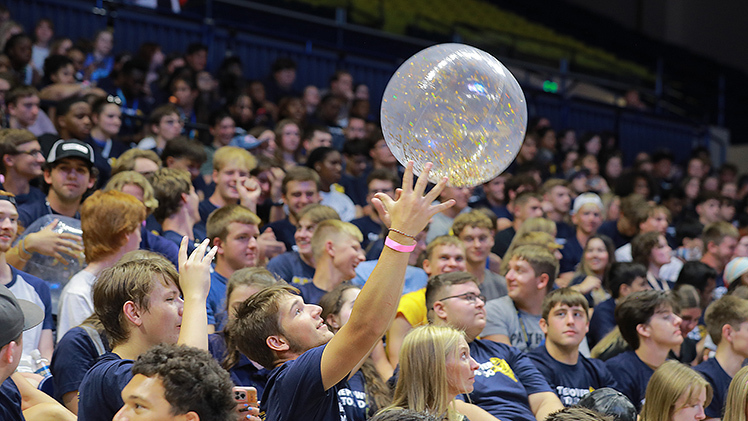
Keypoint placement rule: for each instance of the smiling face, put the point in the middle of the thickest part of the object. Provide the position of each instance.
(444, 259)
(239, 249)
(28, 162)
(8, 224)
(661, 252)
(522, 282)
(299, 194)
(478, 242)
(588, 219)
(226, 180)
(109, 120)
(596, 255)
(346, 254)
(347, 299)
(461, 370)
(301, 325)
(303, 236)
(69, 179)
(566, 326)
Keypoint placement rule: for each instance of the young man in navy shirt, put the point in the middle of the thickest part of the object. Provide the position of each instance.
(140, 305)
(651, 329)
(507, 384)
(278, 330)
(69, 175)
(565, 322)
(178, 202)
(727, 324)
(624, 278)
(300, 187)
(233, 231)
(337, 252)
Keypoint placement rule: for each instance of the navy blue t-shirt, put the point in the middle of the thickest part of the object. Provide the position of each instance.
(160, 245)
(310, 293)
(603, 321)
(244, 373)
(291, 268)
(205, 208)
(571, 382)
(370, 229)
(610, 228)
(176, 238)
(284, 231)
(631, 375)
(295, 391)
(720, 381)
(100, 391)
(10, 401)
(571, 254)
(355, 188)
(216, 302)
(33, 210)
(74, 355)
(352, 397)
(504, 380)
(34, 195)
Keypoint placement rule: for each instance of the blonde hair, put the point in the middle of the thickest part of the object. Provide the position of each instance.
(332, 229)
(671, 381)
(737, 395)
(228, 155)
(423, 384)
(528, 238)
(121, 179)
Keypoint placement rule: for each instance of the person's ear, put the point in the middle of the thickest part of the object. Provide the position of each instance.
(219, 244)
(727, 332)
(543, 280)
(191, 416)
(184, 197)
(330, 248)
(277, 343)
(332, 321)
(133, 313)
(439, 310)
(7, 352)
(215, 176)
(170, 160)
(427, 266)
(543, 326)
(643, 330)
(8, 160)
(624, 290)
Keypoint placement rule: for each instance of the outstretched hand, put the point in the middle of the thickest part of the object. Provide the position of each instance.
(50, 243)
(194, 271)
(411, 210)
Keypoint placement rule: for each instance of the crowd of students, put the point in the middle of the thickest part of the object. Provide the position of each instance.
(217, 220)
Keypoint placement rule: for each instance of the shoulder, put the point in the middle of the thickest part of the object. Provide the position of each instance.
(500, 305)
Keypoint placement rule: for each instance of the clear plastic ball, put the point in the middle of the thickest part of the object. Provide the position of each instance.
(458, 107)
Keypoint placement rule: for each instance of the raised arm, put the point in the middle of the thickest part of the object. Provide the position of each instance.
(194, 279)
(376, 304)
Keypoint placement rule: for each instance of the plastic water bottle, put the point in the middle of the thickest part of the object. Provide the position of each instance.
(42, 364)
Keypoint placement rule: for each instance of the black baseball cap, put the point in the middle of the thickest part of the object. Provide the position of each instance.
(16, 316)
(71, 149)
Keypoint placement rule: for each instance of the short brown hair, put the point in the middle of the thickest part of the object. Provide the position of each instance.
(472, 219)
(300, 174)
(10, 140)
(22, 91)
(638, 308)
(257, 319)
(567, 296)
(551, 183)
(317, 213)
(169, 185)
(540, 259)
(106, 217)
(728, 310)
(437, 283)
(717, 231)
(218, 222)
(128, 281)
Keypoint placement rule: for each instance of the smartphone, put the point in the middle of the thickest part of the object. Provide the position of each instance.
(246, 395)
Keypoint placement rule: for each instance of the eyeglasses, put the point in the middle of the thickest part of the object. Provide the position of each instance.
(468, 296)
(33, 152)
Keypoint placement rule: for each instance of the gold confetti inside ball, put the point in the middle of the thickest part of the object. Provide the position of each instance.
(458, 107)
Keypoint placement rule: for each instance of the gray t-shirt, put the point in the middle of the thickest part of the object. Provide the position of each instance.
(493, 286)
(522, 329)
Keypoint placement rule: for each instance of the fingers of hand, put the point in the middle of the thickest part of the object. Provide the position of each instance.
(423, 179)
(408, 177)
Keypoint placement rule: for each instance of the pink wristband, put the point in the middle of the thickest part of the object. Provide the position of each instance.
(394, 245)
